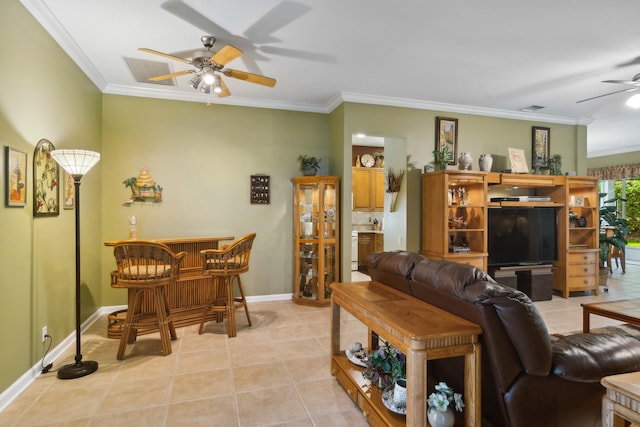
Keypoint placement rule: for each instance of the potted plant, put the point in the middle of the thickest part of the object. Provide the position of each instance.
(309, 165)
(439, 412)
(441, 157)
(385, 366)
(613, 232)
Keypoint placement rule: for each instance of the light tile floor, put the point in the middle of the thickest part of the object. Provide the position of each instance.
(275, 373)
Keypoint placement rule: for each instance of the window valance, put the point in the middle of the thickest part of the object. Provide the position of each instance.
(616, 172)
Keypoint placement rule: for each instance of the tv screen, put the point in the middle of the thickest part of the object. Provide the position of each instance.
(518, 236)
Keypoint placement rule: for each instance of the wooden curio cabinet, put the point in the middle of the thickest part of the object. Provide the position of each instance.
(316, 235)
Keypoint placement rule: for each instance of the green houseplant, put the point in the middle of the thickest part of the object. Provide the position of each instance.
(613, 232)
(309, 165)
(441, 157)
(385, 366)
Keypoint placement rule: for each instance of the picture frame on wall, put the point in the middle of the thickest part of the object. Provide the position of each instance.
(15, 177)
(46, 181)
(68, 188)
(540, 146)
(447, 136)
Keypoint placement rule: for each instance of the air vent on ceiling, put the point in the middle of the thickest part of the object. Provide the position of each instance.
(143, 69)
(532, 108)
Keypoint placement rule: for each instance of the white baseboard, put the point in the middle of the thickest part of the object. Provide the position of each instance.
(21, 384)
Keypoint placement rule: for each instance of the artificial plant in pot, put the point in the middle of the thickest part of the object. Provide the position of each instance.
(613, 232)
(441, 157)
(309, 165)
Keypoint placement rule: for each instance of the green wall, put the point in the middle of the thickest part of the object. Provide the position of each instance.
(43, 94)
(203, 157)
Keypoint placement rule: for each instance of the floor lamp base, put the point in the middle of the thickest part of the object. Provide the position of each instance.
(77, 370)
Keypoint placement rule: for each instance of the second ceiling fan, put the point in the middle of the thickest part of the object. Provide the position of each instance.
(209, 67)
(634, 83)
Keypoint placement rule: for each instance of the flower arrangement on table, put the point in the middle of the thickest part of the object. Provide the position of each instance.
(444, 395)
(386, 365)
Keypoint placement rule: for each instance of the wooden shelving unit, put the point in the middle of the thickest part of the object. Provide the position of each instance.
(576, 268)
(316, 234)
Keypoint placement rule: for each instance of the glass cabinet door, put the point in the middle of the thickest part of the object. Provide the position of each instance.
(316, 234)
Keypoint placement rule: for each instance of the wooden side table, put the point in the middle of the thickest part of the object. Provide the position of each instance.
(421, 331)
(621, 403)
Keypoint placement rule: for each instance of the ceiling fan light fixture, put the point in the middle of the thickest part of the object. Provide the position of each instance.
(634, 101)
(208, 77)
(217, 84)
(205, 88)
(195, 81)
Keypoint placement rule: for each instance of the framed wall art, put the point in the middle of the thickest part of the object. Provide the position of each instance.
(15, 177)
(447, 136)
(46, 179)
(68, 188)
(540, 142)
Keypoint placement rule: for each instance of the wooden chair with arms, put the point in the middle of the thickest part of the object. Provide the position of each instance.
(225, 266)
(146, 266)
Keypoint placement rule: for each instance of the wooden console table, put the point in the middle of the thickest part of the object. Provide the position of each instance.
(188, 297)
(421, 331)
(621, 403)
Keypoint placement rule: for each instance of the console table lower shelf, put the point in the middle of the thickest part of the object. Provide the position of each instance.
(367, 397)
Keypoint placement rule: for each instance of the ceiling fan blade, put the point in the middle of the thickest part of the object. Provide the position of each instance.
(226, 55)
(624, 82)
(166, 55)
(170, 75)
(225, 89)
(249, 77)
(607, 94)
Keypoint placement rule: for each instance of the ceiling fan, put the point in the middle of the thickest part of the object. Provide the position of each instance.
(209, 68)
(635, 81)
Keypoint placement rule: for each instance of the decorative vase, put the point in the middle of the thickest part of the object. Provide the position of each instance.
(400, 392)
(465, 160)
(441, 418)
(309, 172)
(485, 162)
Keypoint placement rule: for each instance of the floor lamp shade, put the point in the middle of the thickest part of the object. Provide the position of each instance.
(77, 163)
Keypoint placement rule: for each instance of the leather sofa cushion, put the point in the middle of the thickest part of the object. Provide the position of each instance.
(589, 357)
(393, 268)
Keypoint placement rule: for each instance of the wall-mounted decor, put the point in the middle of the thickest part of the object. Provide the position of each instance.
(46, 179)
(260, 191)
(69, 196)
(143, 187)
(540, 145)
(447, 136)
(15, 177)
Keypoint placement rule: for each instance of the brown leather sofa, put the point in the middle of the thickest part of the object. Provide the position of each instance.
(528, 378)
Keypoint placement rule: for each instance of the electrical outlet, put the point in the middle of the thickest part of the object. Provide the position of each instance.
(44, 333)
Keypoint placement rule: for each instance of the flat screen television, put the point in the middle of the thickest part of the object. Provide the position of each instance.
(522, 236)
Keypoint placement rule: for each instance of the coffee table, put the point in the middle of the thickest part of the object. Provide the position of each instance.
(624, 310)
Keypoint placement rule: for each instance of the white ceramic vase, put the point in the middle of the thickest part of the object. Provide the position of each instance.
(441, 418)
(485, 162)
(465, 160)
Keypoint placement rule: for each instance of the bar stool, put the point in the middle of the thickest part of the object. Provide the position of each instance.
(225, 266)
(145, 266)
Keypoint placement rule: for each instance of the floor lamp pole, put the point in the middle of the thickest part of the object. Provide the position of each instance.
(79, 368)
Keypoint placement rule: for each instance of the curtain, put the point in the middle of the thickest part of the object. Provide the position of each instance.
(616, 172)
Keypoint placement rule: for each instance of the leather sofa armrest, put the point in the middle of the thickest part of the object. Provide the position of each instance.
(589, 357)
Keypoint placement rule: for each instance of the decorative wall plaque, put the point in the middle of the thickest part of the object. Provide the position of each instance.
(260, 191)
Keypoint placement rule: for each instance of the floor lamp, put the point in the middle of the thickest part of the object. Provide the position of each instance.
(77, 163)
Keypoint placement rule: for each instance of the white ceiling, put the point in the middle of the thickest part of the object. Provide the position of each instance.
(489, 57)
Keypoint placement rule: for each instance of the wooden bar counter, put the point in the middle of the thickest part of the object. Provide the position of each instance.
(188, 297)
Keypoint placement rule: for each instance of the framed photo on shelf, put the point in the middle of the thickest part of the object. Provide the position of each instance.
(447, 136)
(540, 145)
(15, 177)
(46, 181)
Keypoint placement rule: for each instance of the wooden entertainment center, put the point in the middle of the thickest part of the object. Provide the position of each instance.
(455, 207)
